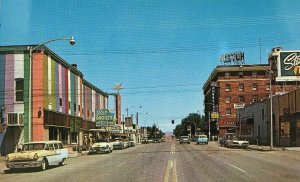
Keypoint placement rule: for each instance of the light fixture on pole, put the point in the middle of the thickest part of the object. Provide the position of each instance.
(31, 49)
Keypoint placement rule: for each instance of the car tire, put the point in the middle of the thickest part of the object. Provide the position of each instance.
(62, 163)
(44, 165)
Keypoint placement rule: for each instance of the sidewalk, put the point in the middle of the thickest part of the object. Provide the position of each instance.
(267, 148)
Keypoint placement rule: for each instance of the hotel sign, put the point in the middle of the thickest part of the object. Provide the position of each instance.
(288, 66)
(238, 105)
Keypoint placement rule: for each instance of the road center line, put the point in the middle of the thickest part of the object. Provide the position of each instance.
(174, 172)
(166, 179)
(237, 168)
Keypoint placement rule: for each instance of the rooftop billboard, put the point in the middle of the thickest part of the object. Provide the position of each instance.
(288, 66)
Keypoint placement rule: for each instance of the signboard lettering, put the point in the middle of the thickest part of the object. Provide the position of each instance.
(288, 66)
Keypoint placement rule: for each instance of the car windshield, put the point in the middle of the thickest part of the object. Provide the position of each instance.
(33, 146)
(182, 78)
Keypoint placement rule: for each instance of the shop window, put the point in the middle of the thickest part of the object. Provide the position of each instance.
(298, 130)
(19, 87)
(285, 129)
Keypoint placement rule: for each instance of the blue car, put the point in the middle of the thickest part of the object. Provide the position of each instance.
(202, 139)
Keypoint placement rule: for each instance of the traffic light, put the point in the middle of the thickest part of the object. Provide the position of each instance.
(172, 121)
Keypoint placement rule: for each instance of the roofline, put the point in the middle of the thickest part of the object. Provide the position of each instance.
(85, 82)
(226, 68)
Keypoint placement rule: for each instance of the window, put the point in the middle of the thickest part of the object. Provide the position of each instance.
(69, 105)
(254, 98)
(15, 118)
(227, 99)
(227, 87)
(227, 75)
(242, 98)
(254, 86)
(19, 89)
(254, 74)
(74, 107)
(285, 129)
(228, 111)
(263, 114)
(60, 102)
(79, 108)
(241, 74)
(268, 86)
(241, 87)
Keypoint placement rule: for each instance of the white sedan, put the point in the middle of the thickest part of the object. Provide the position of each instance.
(101, 146)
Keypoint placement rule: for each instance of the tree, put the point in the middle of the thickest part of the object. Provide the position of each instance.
(194, 120)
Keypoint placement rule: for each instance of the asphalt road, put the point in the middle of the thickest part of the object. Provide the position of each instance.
(171, 162)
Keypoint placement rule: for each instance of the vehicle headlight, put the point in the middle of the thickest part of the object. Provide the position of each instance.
(36, 156)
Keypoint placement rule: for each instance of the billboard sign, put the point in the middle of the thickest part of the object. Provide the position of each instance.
(288, 66)
(237, 58)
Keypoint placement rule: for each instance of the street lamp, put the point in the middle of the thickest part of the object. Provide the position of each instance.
(270, 72)
(72, 42)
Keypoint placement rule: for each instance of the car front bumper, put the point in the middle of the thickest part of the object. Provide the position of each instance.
(99, 150)
(23, 164)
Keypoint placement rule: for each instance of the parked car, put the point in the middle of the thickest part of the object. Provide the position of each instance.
(101, 146)
(184, 139)
(39, 154)
(202, 139)
(157, 141)
(150, 140)
(227, 136)
(132, 143)
(118, 144)
(145, 141)
(235, 142)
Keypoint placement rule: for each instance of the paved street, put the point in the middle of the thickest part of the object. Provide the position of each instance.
(172, 162)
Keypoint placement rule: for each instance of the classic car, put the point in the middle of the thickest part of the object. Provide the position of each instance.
(118, 143)
(235, 142)
(202, 139)
(39, 154)
(227, 136)
(184, 139)
(101, 146)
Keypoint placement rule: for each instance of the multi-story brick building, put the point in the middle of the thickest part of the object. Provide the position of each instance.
(230, 87)
(62, 104)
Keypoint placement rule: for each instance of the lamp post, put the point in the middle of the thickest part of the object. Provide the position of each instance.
(72, 42)
(270, 72)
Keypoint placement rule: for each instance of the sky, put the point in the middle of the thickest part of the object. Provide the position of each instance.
(161, 51)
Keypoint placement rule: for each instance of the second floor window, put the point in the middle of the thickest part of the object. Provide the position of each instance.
(19, 89)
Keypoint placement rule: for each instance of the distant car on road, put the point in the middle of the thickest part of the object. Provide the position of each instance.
(145, 141)
(235, 142)
(184, 139)
(202, 139)
(118, 144)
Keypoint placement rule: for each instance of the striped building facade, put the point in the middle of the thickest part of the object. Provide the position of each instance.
(63, 103)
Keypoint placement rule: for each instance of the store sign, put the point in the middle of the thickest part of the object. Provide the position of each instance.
(238, 105)
(214, 115)
(288, 66)
(104, 118)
